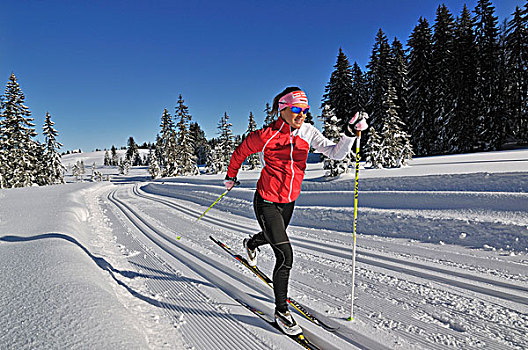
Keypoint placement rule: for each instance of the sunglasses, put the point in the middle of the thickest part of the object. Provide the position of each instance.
(298, 110)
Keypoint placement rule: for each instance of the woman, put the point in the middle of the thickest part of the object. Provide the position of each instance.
(284, 146)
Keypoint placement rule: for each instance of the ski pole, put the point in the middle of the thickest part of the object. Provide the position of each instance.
(212, 205)
(356, 192)
(217, 200)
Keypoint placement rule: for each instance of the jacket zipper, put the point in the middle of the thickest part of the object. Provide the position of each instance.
(292, 170)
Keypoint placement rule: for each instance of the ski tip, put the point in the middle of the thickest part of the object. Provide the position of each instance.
(351, 319)
(178, 238)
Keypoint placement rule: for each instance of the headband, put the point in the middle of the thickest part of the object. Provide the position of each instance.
(294, 97)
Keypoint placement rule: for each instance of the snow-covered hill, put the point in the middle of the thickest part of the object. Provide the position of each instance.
(442, 260)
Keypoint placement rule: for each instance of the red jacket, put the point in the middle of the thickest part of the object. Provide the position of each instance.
(284, 151)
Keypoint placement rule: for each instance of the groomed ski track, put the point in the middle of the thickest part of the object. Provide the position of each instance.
(209, 319)
(198, 285)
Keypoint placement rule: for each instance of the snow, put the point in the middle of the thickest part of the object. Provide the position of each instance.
(442, 259)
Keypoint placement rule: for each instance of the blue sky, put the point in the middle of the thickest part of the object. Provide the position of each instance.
(105, 70)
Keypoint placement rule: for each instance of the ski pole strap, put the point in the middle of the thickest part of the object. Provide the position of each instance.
(212, 205)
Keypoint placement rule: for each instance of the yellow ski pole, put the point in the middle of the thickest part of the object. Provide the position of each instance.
(212, 205)
(356, 192)
(218, 199)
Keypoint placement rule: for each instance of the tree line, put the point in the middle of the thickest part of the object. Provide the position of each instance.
(460, 86)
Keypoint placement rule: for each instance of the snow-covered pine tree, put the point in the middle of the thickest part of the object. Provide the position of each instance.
(517, 73)
(397, 149)
(253, 160)
(52, 158)
(185, 141)
(167, 146)
(3, 156)
(331, 131)
(462, 130)
(213, 160)
(374, 149)
(421, 87)
(268, 116)
(225, 146)
(443, 71)
(107, 159)
(490, 123)
(132, 152)
(115, 158)
(76, 171)
(20, 159)
(152, 161)
(201, 147)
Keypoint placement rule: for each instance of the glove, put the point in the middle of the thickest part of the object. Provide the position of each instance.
(230, 182)
(357, 123)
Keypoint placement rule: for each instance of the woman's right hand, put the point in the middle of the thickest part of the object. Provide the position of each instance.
(230, 182)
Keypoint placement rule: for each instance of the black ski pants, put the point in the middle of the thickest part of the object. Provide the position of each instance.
(274, 218)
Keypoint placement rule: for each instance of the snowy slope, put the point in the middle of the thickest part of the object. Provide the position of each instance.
(442, 260)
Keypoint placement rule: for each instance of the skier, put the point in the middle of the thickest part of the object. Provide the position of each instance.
(284, 146)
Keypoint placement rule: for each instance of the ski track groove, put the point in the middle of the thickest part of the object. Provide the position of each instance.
(396, 314)
(197, 317)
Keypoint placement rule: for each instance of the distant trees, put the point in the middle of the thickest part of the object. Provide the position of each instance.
(225, 145)
(176, 148)
(253, 160)
(185, 146)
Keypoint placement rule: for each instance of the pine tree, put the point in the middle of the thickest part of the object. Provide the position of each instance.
(331, 130)
(225, 146)
(421, 87)
(185, 142)
(462, 128)
(374, 149)
(201, 146)
(154, 168)
(115, 159)
(132, 153)
(443, 71)
(359, 92)
(252, 161)
(490, 124)
(392, 147)
(338, 91)
(379, 77)
(338, 108)
(52, 158)
(268, 116)
(166, 146)
(396, 142)
(517, 73)
(107, 159)
(213, 157)
(20, 151)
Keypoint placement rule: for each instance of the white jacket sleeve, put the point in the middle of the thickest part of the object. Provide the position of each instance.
(329, 148)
